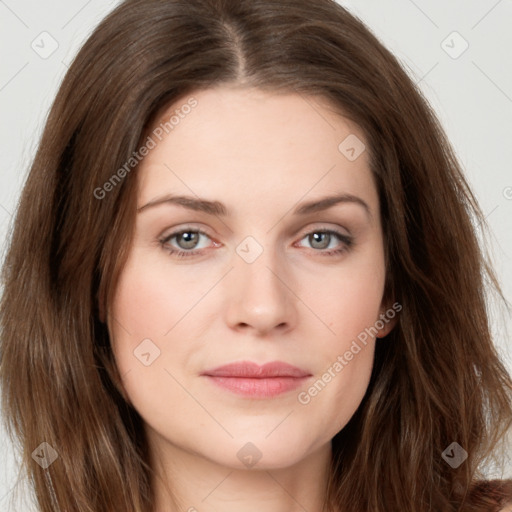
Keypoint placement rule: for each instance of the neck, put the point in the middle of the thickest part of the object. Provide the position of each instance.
(191, 482)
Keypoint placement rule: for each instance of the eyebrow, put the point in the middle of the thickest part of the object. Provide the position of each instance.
(219, 209)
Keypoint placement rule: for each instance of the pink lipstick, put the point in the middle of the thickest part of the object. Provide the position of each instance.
(251, 380)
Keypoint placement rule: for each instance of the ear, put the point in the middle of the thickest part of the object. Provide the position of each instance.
(388, 318)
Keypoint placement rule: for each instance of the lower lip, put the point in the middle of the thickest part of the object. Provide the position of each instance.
(258, 388)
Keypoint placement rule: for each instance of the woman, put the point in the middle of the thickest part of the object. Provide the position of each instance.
(173, 338)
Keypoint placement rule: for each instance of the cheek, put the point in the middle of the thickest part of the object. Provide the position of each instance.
(141, 314)
(349, 299)
(153, 297)
(356, 310)
(347, 362)
(144, 302)
(350, 307)
(152, 311)
(348, 386)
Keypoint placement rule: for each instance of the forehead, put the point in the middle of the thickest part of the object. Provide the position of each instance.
(244, 145)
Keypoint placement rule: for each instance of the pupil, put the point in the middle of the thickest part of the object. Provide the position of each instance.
(316, 237)
(192, 239)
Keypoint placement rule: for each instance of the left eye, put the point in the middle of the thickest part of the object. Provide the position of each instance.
(320, 237)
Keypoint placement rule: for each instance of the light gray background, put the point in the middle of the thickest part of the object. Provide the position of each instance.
(470, 90)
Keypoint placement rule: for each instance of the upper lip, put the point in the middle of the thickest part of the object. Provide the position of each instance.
(249, 369)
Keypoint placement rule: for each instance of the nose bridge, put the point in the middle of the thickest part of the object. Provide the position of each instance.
(258, 294)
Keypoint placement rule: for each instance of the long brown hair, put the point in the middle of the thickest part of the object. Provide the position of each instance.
(437, 377)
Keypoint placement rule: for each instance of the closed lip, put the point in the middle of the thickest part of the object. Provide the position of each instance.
(249, 369)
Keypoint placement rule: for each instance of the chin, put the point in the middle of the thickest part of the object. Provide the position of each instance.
(259, 451)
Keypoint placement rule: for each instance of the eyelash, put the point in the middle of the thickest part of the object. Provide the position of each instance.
(348, 242)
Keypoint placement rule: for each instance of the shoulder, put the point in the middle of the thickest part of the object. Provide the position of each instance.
(491, 495)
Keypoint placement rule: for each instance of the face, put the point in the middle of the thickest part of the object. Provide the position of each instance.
(252, 264)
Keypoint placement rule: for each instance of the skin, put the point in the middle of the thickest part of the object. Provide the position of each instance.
(261, 155)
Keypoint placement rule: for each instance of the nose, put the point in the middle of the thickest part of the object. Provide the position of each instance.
(260, 296)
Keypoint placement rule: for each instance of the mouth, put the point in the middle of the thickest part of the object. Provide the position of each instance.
(251, 380)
